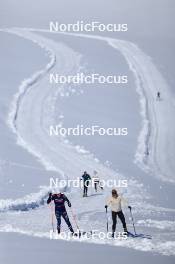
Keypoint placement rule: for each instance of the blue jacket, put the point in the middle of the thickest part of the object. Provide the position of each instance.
(86, 177)
(59, 200)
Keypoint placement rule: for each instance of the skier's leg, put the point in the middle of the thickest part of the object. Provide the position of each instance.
(114, 222)
(100, 185)
(58, 217)
(122, 219)
(84, 190)
(87, 184)
(95, 185)
(66, 218)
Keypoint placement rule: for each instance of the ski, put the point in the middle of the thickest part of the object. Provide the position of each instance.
(139, 235)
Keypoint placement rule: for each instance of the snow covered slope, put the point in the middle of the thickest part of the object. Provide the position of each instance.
(33, 110)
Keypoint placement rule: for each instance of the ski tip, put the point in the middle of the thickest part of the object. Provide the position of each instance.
(139, 235)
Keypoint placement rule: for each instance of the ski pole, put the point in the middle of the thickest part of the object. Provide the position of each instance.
(132, 219)
(75, 221)
(107, 224)
(52, 218)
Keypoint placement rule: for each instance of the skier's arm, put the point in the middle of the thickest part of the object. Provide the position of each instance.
(108, 202)
(67, 200)
(124, 201)
(50, 198)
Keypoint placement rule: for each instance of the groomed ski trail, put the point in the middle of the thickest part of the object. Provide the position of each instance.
(47, 151)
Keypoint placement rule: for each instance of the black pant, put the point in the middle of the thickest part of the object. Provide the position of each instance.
(114, 220)
(85, 191)
(63, 214)
(95, 185)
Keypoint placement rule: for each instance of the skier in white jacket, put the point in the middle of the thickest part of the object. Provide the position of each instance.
(115, 203)
(96, 181)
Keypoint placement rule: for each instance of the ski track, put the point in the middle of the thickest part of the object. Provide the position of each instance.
(54, 154)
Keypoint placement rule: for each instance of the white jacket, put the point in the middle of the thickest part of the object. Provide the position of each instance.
(95, 179)
(116, 203)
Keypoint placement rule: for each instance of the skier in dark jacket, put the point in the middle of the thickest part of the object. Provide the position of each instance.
(60, 210)
(86, 180)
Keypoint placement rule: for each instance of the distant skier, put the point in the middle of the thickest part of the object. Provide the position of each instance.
(96, 181)
(86, 180)
(158, 95)
(60, 210)
(115, 202)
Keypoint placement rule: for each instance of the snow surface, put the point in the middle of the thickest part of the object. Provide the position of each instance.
(33, 109)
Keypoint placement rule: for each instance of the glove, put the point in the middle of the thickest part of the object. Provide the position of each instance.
(129, 207)
(106, 206)
(69, 204)
(50, 194)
